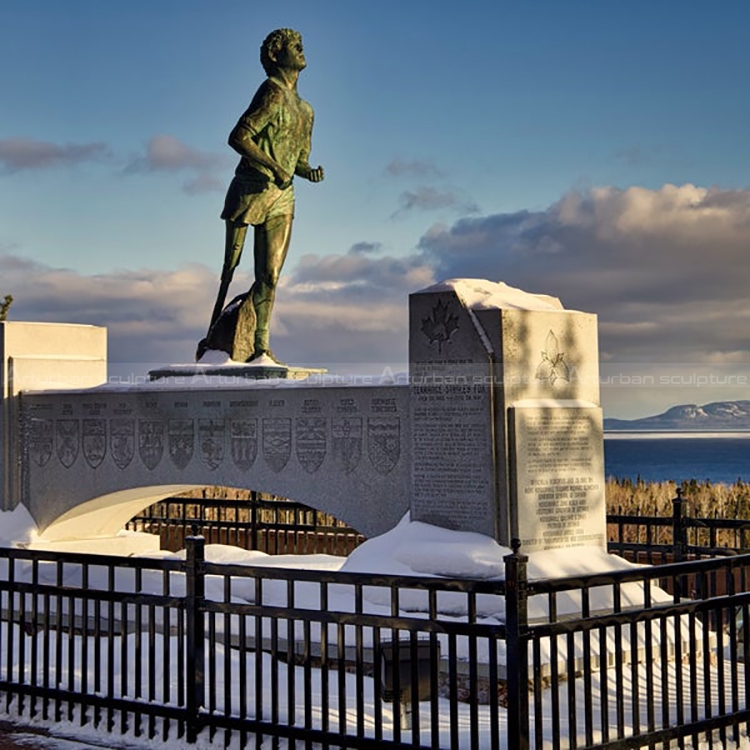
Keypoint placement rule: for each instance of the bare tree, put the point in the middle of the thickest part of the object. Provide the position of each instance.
(5, 307)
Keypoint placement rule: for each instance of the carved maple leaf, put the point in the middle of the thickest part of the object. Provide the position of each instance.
(441, 326)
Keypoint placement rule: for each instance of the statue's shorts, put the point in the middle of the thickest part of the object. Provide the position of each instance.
(253, 203)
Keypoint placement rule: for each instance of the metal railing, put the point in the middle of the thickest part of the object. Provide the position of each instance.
(261, 522)
(278, 526)
(658, 539)
(169, 649)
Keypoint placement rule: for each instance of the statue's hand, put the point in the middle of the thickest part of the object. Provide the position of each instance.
(283, 179)
(308, 173)
(316, 175)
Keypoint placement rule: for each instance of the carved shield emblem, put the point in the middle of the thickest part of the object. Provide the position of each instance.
(243, 442)
(68, 440)
(41, 441)
(94, 441)
(347, 442)
(122, 441)
(384, 442)
(211, 441)
(151, 442)
(310, 435)
(181, 441)
(277, 442)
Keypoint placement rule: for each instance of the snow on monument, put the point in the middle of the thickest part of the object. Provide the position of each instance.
(505, 413)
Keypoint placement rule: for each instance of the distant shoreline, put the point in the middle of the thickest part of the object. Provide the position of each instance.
(679, 434)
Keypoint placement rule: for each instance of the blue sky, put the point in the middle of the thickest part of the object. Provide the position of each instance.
(529, 142)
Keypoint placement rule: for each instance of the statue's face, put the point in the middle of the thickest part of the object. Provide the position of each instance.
(292, 56)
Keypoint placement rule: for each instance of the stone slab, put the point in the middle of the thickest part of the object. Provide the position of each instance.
(36, 357)
(557, 470)
(457, 449)
(545, 354)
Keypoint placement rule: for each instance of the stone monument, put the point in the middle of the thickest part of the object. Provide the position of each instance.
(499, 430)
(505, 414)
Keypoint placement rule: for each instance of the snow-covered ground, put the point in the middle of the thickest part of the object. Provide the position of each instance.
(411, 549)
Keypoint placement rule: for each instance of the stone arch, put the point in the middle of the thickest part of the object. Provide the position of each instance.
(90, 462)
(106, 515)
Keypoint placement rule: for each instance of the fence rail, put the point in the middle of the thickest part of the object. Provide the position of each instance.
(265, 523)
(660, 539)
(166, 649)
(279, 526)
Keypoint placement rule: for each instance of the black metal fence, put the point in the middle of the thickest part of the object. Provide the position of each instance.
(659, 539)
(257, 522)
(278, 526)
(166, 649)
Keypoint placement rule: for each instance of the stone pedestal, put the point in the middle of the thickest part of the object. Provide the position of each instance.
(37, 357)
(496, 374)
(237, 371)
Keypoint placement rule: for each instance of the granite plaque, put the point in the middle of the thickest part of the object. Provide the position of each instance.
(557, 477)
(451, 454)
(454, 475)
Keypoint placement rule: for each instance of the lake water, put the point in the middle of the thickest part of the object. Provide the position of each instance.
(659, 457)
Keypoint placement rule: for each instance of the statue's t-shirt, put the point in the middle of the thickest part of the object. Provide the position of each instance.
(280, 123)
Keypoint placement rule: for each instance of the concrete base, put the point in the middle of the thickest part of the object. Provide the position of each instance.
(238, 371)
(126, 544)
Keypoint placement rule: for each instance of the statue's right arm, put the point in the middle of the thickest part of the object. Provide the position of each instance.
(255, 118)
(241, 141)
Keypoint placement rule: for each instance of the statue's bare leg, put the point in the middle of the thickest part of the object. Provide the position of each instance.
(235, 241)
(271, 246)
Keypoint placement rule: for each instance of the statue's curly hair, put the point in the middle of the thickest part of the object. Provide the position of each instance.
(273, 43)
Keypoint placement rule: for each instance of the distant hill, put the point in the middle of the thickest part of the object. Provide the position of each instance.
(720, 415)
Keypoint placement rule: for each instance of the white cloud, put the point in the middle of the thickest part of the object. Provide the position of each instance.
(664, 269)
(384, 275)
(364, 248)
(148, 312)
(20, 153)
(165, 153)
(413, 168)
(328, 312)
(427, 198)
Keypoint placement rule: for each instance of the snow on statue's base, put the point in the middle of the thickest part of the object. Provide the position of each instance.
(218, 363)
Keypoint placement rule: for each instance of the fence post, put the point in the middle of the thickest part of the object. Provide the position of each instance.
(195, 666)
(254, 519)
(516, 647)
(679, 531)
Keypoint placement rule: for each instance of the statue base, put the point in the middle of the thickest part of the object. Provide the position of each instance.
(263, 370)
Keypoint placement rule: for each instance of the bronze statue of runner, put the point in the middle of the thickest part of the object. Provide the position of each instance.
(273, 139)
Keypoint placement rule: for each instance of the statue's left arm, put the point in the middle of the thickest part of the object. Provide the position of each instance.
(303, 168)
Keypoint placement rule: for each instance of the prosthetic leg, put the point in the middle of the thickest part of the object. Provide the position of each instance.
(235, 241)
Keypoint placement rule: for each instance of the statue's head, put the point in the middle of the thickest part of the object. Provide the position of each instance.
(272, 46)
